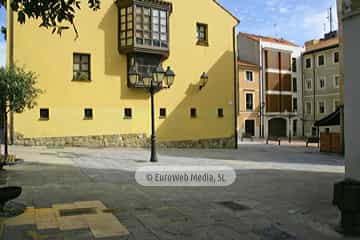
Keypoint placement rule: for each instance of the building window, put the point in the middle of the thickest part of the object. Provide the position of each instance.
(321, 107)
(308, 107)
(151, 27)
(294, 65)
(44, 114)
(127, 113)
(81, 67)
(126, 27)
(202, 34)
(336, 104)
(88, 114)
(294, 85)
(193, 113)
(162, 112)
(249, 76)
(336, 57)
(308, 63)
(321, 60)
(336, 81)
(309, 84)
(295, 104)
(249, 102)
(322, 83)
(220, 113)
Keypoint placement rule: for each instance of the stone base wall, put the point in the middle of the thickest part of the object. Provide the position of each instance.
(129, 140)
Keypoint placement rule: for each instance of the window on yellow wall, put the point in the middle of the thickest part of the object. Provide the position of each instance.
(220, 113)
(202, 34)
(44, 114)
(88, 114)
(81, 67)
(162, 112)
(193, 113)
(249, 76)
(127, 113)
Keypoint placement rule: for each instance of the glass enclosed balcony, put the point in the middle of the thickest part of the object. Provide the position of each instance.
(144, 26)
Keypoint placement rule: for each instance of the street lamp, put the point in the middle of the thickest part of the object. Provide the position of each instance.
(153, 82)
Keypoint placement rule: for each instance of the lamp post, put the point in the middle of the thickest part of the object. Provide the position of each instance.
(153, 82)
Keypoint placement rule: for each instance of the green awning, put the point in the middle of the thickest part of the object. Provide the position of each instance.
(331, 120)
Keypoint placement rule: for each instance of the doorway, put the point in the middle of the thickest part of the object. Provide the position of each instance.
(277, 127)
(250, 128)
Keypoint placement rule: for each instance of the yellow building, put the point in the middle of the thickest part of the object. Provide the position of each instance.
(249, 98)
(89, 99)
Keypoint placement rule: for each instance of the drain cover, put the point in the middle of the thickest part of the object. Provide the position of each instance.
(273, 232)
(234, 206)
(77, 211)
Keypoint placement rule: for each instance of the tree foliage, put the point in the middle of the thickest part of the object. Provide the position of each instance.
(17, 89)
(55, 14)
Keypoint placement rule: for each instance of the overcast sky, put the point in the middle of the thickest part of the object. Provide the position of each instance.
(294, 20)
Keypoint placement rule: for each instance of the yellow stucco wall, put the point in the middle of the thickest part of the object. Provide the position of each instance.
(51, 57)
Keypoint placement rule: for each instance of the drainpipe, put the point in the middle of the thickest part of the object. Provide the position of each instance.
(10, 55)
(236, 88)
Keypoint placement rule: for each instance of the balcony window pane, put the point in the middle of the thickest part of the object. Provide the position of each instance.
(129, 41)
(147, 35)
(123, 11)
(138, 11)
(155, 13)
(163, 37)
(123, 19)
(147, 11)
(162, 14)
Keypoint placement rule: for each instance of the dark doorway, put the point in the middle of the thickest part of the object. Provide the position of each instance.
(250, 128)
(277, 127)
(295, 127)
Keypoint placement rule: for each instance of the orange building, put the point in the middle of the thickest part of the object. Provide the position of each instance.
(249, 99)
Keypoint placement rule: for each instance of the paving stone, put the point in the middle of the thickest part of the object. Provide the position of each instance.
(27, 218)
(105, 225)
(45, 218)
(72, 223)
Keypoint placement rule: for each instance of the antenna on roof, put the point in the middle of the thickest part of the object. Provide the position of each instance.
(330, 18)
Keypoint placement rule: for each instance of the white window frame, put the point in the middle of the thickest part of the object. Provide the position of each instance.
(311, 63)
(306, 84)
(253, 98)
(318, 62)
(306, 110)
(336, 86)
(322, 101)
(324, 79)
(333, 57)
(252, 73)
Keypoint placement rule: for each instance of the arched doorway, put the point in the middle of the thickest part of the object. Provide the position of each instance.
(277, 127)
